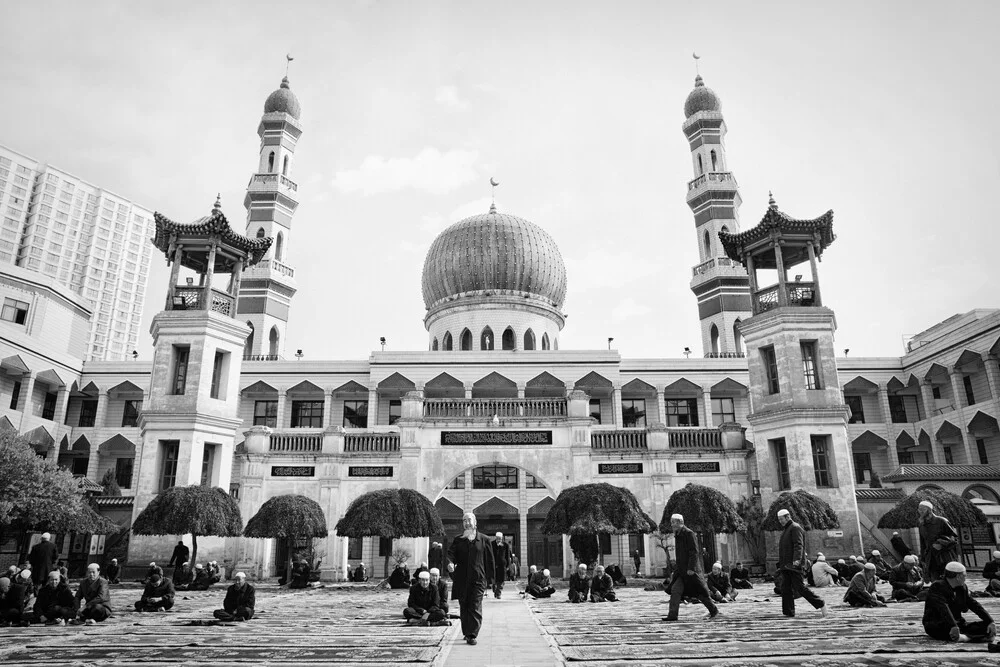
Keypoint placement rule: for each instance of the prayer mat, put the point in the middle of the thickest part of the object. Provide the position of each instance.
(65, 655)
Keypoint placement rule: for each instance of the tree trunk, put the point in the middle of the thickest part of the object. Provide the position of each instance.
(194, 550)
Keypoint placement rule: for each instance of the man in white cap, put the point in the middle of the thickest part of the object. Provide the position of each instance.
(719, 586)
(907, 581)
(579, 585)
(539, 585)
(241, 598)
(899, 545)
(442, 588)
(791, 561)
(93, 598)
(824, 574)
(602, 588)
(938, 541)
(947, 599)
(688, 579)
(502, 559)
(422, 604)
(113, 572)
(43, 559)
(861, 592)
(881, 566)
(470, 561)
(991, 573)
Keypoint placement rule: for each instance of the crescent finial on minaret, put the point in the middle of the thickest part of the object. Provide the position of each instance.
(288, 62)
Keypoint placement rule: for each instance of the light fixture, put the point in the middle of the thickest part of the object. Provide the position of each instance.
(798, 278)
(687, 352)
(382, 341)
(135, 355)
(190, 281)
(610, 340)
(846, 351)
(298, 354)
(755, 483)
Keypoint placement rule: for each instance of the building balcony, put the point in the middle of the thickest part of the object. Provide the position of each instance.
(189, 297)
(677, 438)
(316, 441)
(298, 441)
(618, 439)
(694, 438)
(705, 267)
(371, 443)
(798, 294)
(261, 357)
(723, 180)
(484, 409)
(275, 265)
(270, 183)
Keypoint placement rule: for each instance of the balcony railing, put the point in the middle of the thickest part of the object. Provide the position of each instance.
(799, 294)
(371, 442)
(725, 355)
(275, 265)
(619, 439)
(187, 297)
(273, 179)
(711, 177)
(694, 438)
(296, 443)
(711, 264)
(260, 357)
(487, 408)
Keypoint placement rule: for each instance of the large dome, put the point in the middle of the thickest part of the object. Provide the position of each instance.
(494, 252)
(284, 100)
(702, 98)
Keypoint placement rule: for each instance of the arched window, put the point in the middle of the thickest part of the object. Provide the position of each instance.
(715, 162)
(737, 337)
(486, 341)
(507, 342)
(466, 340)
(270, 163)
(715, 339)
(261, 233)
(273, 338)
(446, 344)
(545, 341)
(555, 343)
(701, 169)
(284, 166)
(434, 345)
(529, 340)
(279, 242)
(708, 245)
(248, 345)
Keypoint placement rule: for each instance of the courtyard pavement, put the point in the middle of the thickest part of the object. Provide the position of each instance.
(359, 625)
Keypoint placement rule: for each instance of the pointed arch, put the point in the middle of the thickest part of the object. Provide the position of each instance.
(729, 387)
(494, 385)
(351, 388)
(446, 342)
(507, 341)
(555, 343)
(306, 388)
(540, 510)
(486, 340)
(905, 441)
(496, 507)
(273, 340)
(594, 384)
(434, 345)
(638, 387)
(701, 166)
(444, 386)
(737, 336)
(284, 166)
(708, 245)
(270, 163)
(529, 340)
(397, 382)
(279, 246)
(466, 340)
(545, 341)
(258, 387)
(448, 510)
(545, 385)
(948, 430)
(715, 161)
(248, 345)
(261, 233)
(683, 388)
(714, 336)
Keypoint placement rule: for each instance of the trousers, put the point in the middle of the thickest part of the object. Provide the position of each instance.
(470, 611)
(792, 586)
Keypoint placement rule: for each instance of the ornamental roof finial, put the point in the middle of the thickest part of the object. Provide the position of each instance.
(493, 204)
(770, 201)
(288, 62)
(217, 208)
(696, 72)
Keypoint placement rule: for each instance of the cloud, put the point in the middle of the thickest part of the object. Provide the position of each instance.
(628, 308)
(474, 207)
(448, 97)
(431, 223)
(430, 171)
(616, 270)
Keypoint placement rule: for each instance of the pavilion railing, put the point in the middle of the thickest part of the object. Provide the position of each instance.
(487, 408)
(281, 268)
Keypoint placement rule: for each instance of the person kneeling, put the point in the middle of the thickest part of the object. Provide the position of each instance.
(157, 596)
(579, 584)
(240, 601)
(861, 592)
(719, 587)
(540, 586)
(423, 603)
(602, 588)
(54, 602)
(947, 599)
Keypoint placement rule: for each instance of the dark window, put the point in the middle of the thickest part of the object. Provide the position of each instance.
(88, 413)
(457, 483)
(781, 458)
(234, 490)
(723, 411)
(531, 482)
(970, 395)
(354, 548)
(179, 384)
(635, 541)
(395, 411)
(494, 477)
(466, 340)
(168, 471)
(217, 364)
(49, 406)
(981, 446)
(207, 464)
(862, 467)
(14, 311)
(948, 458)
(355, 414)
(507, 341)
(529, 340)
(80, 466)
(385, 546)
(595, 409)
(307, 414)
(634, 412)
(810, 368)
(265, 413)
(130, 416)
(897, 410)
(270, 162)
(446, 343)
(936, 392)
(604, 540)
(770, 368)
(123, 472)
(906, 458)
(545, 341)
(682, 412)
(15, 394)
(486, 341)
(821, 460)
(434, 345)
(857, 410)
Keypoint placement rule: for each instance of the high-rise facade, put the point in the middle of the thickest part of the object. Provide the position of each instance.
(87, 238)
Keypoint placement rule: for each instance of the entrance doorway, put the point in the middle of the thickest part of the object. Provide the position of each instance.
(545, 551)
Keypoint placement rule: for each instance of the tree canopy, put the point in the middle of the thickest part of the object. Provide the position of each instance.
(704, 510)
(958, 510)
(288, 516)
(807, 510)
(198, 510)
(391, 513)
(590, 509)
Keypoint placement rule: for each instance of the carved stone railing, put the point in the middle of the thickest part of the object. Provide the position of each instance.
(296, 443)
(371, 442)
(273, 179)
(694, 438)
(189, 297)
(224, 304)
(725, 355)
(802, 294)
(502, 408)
(260, 357)
(765, 299)
(711, 264)
(618, 439)
(711, 177)
(289, 183)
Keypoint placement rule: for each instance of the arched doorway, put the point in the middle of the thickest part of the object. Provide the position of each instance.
(545, 551)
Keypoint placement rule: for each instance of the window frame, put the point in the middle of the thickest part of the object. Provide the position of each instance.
(482, 475)
(182, 359)
(857, 416)
(263, 417)
(356, 411)
(809, 350)
(310, 406)
(135, 405)
(821, 461)
(636, 416)
(395, 410)
(675, 411)
(14, 311)
(770, 362)
(120, 471)
(780, 449)
(719, 418)
(88, 413)
(169, 451)
(594, 414)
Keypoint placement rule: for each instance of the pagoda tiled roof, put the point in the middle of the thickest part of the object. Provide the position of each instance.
(87, 485)
(114, 501)
(208, 226)
(931, 472)
(774, 219)
(879, 494)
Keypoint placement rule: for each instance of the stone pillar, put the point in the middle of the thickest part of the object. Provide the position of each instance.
(257, 440)
(62, 399)
(372, 407)
(927, 394)
(522, 556)
(616, 405)
(661, 406)
(102, 410)
(280, 422)
(957, 389)
(24, 400)
(468, 390)
(520, 389)
(569, 565)
(883, 401)
(327, 408)
(647, 561)
(706, 407)
(965, 447)
(993, 375)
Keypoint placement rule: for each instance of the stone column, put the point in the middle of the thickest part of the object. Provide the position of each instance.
(62, 399)
(957, 389)
(966, 447)
(927, 394)
(280, 422)
(24, 399)
(102, 409)
(521, 386)
(616, 405)
(993, 375)
(327, 408)
(883, 401)
(522, 556)
(706, 407)
(661, 406)
(372, 407)
(468, 390)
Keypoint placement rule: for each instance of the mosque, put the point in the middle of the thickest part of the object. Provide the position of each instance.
(493, 416)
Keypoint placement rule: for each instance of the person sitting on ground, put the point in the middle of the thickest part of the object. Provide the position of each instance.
(202, 579)
(947, 599)
(991, 573)
(539, 586)
(151, 570)
(361, 573)
(93, 598)
(300, 574)
(416, 574)
(54, 604)
(907, 581)
(23, 578)
(739, 576)
(400, 577)
(579, 584)
(442, 589)
(422, 605)
(882, 567)
(615, 572)
(719, 587)
(184, 576)
(900, 546)
(113, 572)
(855, 565)
(841, 567)
(602, 586)
(861, 591)
(824, 574)
(157, 596)
(240, 601)
(13, 602)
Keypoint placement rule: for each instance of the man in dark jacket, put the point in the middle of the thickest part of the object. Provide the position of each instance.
(947, 599)
(938, 541)
(861, 592)
(54, 604)
(739, 576)
(240, 601)
(539, 585)
(13, 602)
(400, 577)
(470, 561)
(991, 573)
(180, 556)
(602, 588)
(791, 560)
(422, 604)
(502, 559)
(113, 572)
(907, 581)
(93, 598)
(157, 596)
(688, 579)
(43, 559)
(719, 586)
(442, 588)
(579, 584)
(900, 546)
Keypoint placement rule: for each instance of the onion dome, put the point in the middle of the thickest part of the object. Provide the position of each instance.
(702, 98)
(283, 100)
(494, 253)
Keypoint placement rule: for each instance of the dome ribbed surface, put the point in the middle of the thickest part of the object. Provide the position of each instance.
(491, 252)
(284, 100)
(701, 98)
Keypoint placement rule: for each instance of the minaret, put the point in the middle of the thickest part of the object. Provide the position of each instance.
(720, 285)
(267, 289)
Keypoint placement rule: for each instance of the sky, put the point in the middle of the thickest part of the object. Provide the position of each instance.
(884, 112)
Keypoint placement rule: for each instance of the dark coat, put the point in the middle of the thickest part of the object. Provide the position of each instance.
(442, 589)
(113, 572)
(910, 580)
(164, 589)
(43, 558)
(435, 558)
(578, 584)
(738, 573)
(474, 566)
(991, 570)
(945, 605)
(792, 547)
(937, 530)
(502, 558)
(423, 599)
(180, 556)
(60, 596)
(94, 592)
(688, 556)
(900, 546)
(235, 598)
(601, 585)
(400, 577)
(719, 583)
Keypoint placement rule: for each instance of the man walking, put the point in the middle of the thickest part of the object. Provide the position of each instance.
(938, 541)
(791, 557)
(43, 559)
(470, 560)
(502, 559)
(688, 579)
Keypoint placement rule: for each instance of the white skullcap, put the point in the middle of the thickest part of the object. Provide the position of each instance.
(546, 572)
(424, 575)
(25, 574)
(926, 503)
(996, 554)
(909, 558)
(717, 564)
(821, 557)
(894, 533)
(46, 536)
(499, 534)
(152, 564)
(436, 571)
(876, 552)
(869, 566)
(199, 566)
(854, 557)
(784, 513)
(954, 566)
(840, 561)
(679, 517)
(241, 575)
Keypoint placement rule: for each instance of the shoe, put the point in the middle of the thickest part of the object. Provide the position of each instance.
(76, 621)
(471, 641)
(668, 619)
(709, 616)
(90, 621)
(824, 611)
